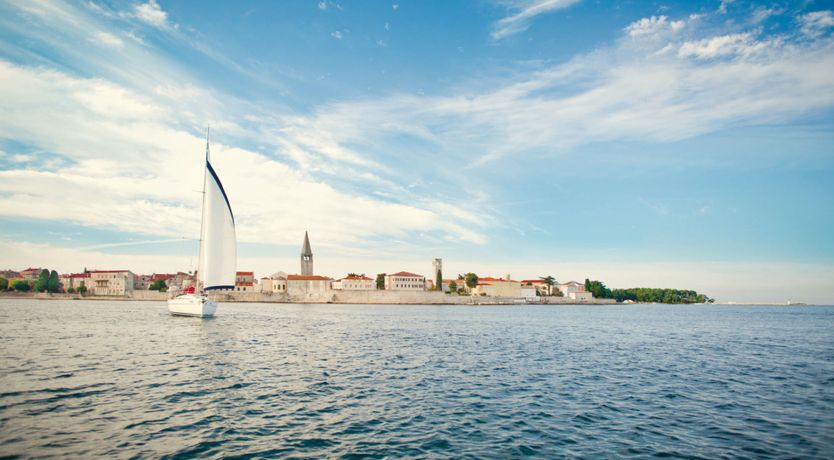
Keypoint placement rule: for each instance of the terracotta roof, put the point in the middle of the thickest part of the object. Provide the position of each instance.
(406, 274)
(307, 278)
(354, 278)
(245, 273)
(161, 276)
(109, 271)
(496, 280)
(31, 269)
(533, 281)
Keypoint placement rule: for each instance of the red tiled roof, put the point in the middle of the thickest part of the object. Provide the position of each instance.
(77, 275)
(109, 271)
(31, 269)
(354, 278)
(496, 280)
(245, 273)
(532, 281)
(161, 276)
(307, 278)
(406, 274)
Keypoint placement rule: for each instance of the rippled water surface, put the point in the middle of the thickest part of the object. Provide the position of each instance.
(125, 379)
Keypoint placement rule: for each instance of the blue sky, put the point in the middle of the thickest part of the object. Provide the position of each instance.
(670, 144)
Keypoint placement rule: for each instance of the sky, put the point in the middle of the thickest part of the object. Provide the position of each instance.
(674, 144)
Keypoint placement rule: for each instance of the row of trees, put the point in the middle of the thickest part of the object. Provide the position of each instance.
(47, 281)
(656, 295)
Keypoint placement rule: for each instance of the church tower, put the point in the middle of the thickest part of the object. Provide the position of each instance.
(306, 257)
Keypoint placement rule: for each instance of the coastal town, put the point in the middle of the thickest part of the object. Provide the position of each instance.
(308, 286)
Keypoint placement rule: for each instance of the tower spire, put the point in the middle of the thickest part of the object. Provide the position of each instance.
(306, 256)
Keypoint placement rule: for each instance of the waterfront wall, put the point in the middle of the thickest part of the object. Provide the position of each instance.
(346, 297)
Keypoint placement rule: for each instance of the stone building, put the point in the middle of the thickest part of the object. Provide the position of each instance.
(110, 282)
(302, 285)
(74, 280)
(354, 283)
(498, 287)
(245, 282)
(405, 281)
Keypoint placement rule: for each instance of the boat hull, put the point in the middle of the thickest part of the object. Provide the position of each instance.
(191, 305)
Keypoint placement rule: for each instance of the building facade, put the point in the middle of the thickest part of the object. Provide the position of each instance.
(498, 287)
(302, 285)
(355, 283)
(405, 281)
(31, 273)
(110, 282)
(74, 281)
(575, 291)
(245, 282)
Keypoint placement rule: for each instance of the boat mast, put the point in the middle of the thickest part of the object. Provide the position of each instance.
(197, 286)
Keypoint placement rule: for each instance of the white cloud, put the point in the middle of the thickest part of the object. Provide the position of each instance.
(151, 13)
(108, 39)
(132, 171)
(722, 9)
(653, 26)
(336, 34)
(721, 46)
(816, 23)
(322, 5)
(525, 11)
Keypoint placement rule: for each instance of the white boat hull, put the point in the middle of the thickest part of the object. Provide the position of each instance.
(192, 305)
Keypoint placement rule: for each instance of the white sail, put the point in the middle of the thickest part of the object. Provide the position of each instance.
(218, 251)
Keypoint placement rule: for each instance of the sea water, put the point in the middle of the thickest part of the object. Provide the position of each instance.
(125, 379)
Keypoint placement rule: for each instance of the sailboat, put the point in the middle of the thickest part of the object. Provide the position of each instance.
(218, 252)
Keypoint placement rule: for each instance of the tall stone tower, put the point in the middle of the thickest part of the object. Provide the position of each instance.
(306, 257)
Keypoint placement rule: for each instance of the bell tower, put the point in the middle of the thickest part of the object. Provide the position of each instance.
(306, 257)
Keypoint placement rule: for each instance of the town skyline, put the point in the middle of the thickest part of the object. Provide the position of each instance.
(680, 145)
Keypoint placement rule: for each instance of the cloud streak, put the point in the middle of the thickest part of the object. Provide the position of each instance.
(524, 12)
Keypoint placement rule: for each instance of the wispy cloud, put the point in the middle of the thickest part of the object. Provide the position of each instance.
(816, 23)
(523, 12)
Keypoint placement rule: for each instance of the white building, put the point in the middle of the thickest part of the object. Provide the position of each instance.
(245, 281)
(575, 291)
(74, 280)
(405, 281)
(354, 283)
(110, 282)
(274, 284)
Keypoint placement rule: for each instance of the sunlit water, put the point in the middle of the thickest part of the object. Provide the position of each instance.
(126, 379)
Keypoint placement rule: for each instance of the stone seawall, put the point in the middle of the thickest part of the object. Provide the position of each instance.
(346, 297)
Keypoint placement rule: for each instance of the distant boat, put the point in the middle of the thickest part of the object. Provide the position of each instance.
(218, 252)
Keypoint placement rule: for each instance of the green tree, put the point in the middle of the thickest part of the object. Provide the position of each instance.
(453, 287)
(43, 281)
(471, 280)
(598, 289)
(82, 289)
(380, 281)
(70, 291)
(355, 274)
(53, 284)
(549, 281)
(4, 284)
(438, 283)
(21, 286)
(159, 285)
